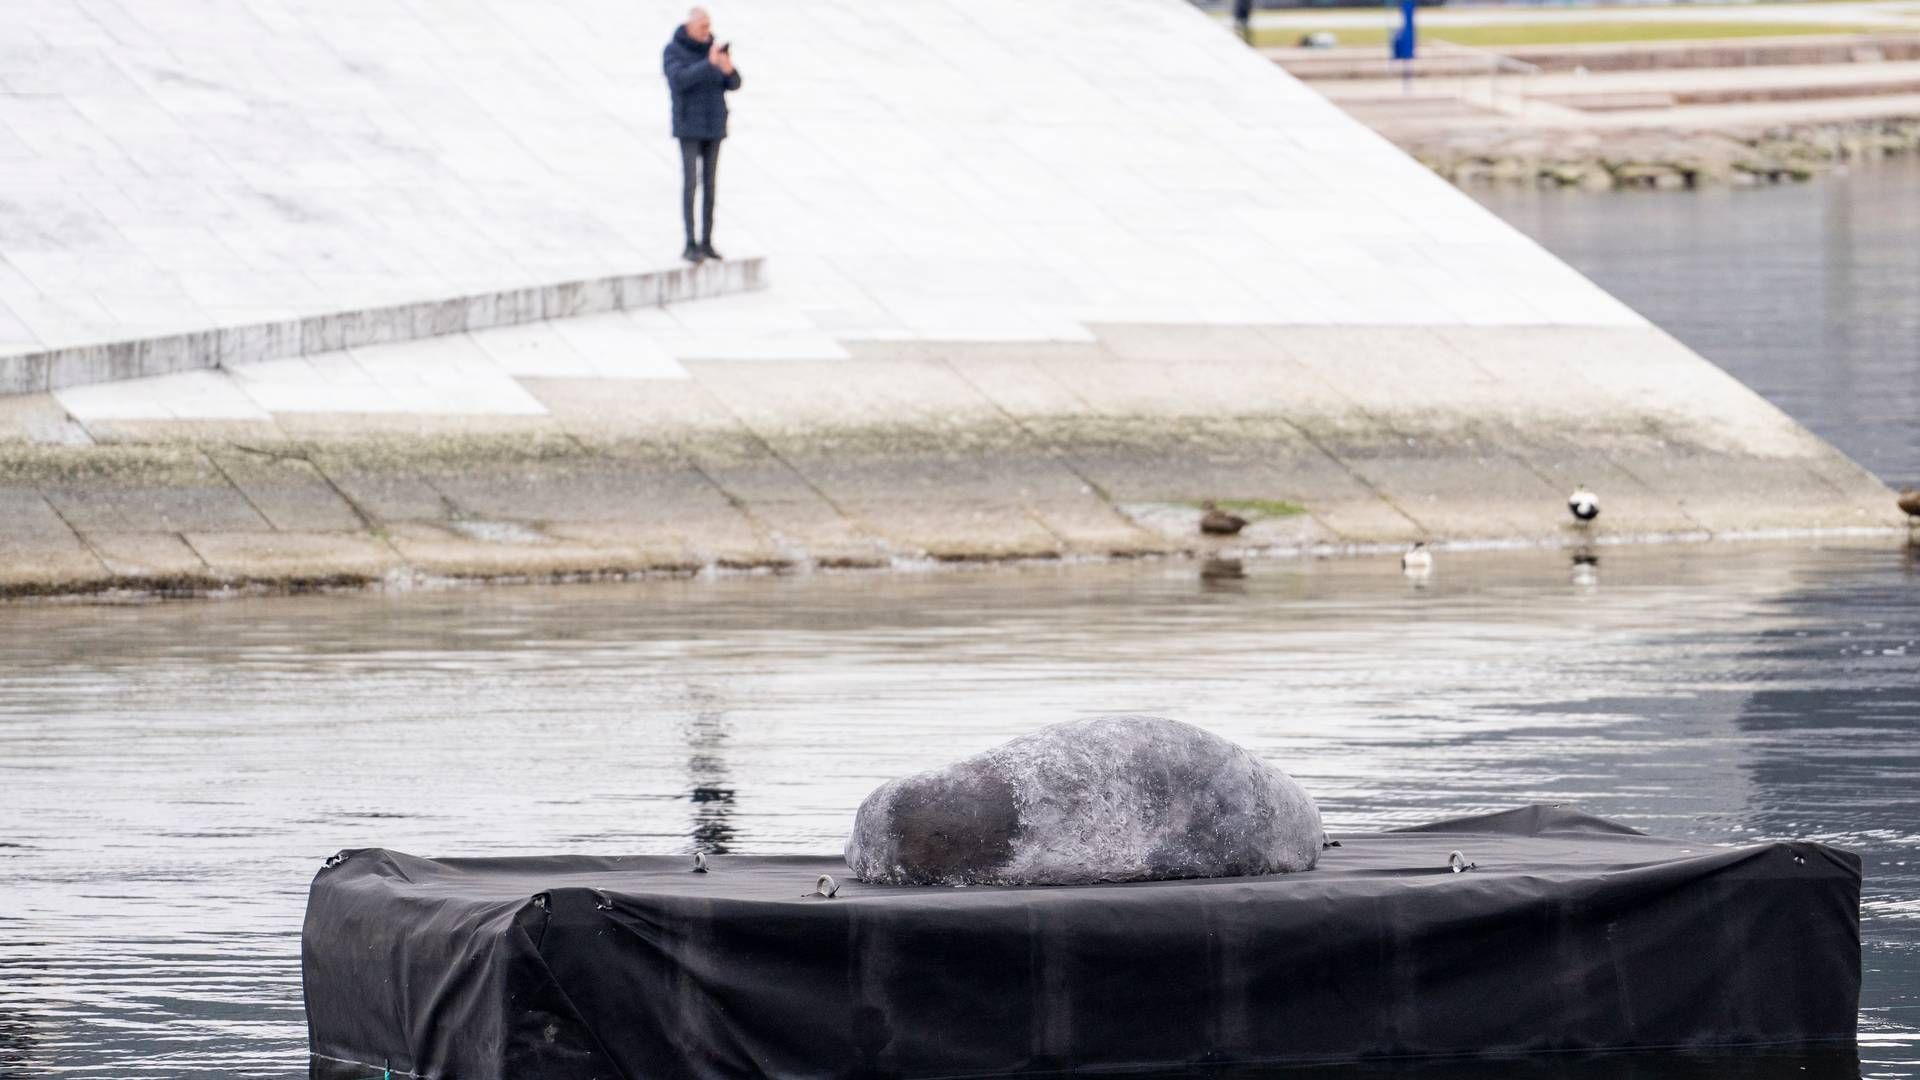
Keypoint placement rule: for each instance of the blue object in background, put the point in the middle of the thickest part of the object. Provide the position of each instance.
(1403, 39)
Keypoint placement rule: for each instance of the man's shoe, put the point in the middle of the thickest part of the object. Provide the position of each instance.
(694, 252)
(707, 252)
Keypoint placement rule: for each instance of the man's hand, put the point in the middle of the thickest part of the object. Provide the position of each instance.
(719, 59)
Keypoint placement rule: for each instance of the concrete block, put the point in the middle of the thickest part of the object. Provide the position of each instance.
(678, 284)
(139, 432)
(122, 360)
(579, 488)
(246, 344)
(25, 373)
(434, 549)
(294, 556)
(1096, 528)
(1178, 344)
(1203, 386)
(956, 531)
(641, 290)
(76, 366)
(711, 533)
(124, 508)
(383, 490)
(38, 551)
(131, 488)
(436, 317)
(806, 529)
(612, 412)
(288, 491)
(890, 399)
(203, 350)
(1371, 520)
(38, 419)
(375, 326)
(564, 300)
(323, 333)
(1629, 507)
(480, 311)
(1743, 493)
(598, 295)
(37, 546)
(1470, 489)
(249, 343)
(1020, 386)
(159, 555)
(512, 307)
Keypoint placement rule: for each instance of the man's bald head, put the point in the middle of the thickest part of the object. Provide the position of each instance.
(699, 25)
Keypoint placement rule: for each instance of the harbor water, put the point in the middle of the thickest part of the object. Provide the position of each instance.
(172, 775)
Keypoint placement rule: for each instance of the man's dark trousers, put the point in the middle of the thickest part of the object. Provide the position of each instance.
(699, 159)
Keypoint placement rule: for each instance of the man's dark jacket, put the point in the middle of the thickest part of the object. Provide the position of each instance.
(699, 89)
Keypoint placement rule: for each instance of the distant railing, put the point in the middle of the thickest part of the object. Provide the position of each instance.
(1498, 65)
(1477, 76)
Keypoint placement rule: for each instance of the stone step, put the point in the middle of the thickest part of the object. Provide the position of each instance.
(1440, 59)
(1725, 53)
(1612, 102)
(78, 365)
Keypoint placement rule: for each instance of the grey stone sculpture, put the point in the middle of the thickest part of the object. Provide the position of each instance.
(1116, 798)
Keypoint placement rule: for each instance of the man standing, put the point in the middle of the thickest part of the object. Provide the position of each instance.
(699, 73)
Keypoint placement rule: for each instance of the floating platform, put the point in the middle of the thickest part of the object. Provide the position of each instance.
(1570, 933)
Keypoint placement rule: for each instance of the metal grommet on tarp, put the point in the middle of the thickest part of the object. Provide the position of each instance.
(335, 859)
(699, 862)
(824, 888)
(1458, 863)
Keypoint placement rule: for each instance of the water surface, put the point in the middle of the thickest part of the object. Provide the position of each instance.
(1809, 293)
(172, 775)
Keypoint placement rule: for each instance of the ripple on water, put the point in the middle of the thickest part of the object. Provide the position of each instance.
(173, 774)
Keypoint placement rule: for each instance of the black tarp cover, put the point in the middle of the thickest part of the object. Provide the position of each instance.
(1572, 933)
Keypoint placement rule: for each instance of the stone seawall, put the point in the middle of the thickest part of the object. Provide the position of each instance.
(1334, 437)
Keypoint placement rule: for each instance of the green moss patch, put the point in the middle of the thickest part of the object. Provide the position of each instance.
(1265, 508)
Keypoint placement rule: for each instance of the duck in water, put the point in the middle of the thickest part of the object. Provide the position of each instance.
(1909, 503)
(1417, 561)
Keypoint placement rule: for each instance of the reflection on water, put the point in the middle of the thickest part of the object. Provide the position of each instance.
(710, 790)
(171, 776)
(1809, 293)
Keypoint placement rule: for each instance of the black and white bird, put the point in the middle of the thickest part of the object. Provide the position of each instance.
(1417, 559)
(1584, 505)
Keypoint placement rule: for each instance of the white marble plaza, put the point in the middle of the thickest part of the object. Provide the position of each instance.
(999, 170)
